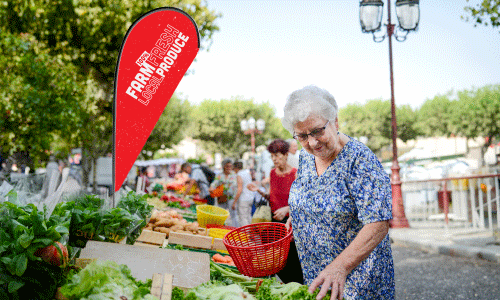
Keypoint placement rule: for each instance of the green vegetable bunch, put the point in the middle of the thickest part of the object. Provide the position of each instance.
(270, 289)
(136, 204)
(23, 230)
(213, 290)
(118, 223)
(90, 219)
(102, 280)
(158, 188)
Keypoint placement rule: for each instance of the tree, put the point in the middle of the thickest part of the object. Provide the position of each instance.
(373, 120)
(407, 120)
(351, 118)
(172, 125)
(433, 117)
(88, 35)
(41, 97)
(487, 13)
(479, 110)
(217, 125)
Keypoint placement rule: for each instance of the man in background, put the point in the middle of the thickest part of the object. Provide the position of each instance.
(198, 177)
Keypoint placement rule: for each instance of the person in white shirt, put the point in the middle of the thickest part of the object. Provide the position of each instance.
(243, 199)
(293, 153)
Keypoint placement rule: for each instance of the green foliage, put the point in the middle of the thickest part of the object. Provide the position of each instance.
(90, 33)
(24, 230)
(40, 93)
(106, 280)
(171, 127)
(270, 289)
(198, 160)
(407, 120)
(434, 116)
(75, 56)
(477, 113)
(372, 120)
(217, 125)
(136, 204)
(90, 219)
(486, 13)
(217, 290)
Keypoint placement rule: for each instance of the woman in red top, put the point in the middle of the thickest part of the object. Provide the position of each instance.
(280, 181)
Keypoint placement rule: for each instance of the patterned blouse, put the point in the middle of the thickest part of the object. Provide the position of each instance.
(329, 210)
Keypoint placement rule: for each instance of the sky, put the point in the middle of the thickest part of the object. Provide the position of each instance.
(265, 50)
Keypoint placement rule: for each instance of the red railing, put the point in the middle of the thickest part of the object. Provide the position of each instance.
(475, 211)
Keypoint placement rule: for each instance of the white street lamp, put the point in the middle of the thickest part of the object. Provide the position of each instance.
(251, 123)
(252, 127)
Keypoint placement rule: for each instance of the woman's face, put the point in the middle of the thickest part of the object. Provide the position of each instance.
(227, 168)
(325, 143)
(279, 159)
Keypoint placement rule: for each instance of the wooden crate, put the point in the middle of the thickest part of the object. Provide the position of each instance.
(190, 240)
(161, 286)
(149, 237)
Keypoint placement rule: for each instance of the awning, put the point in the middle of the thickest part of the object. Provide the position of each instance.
(159, 162)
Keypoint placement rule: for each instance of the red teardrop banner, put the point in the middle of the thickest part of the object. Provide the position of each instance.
(156, 53)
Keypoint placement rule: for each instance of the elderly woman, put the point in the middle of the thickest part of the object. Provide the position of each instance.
(340, 204)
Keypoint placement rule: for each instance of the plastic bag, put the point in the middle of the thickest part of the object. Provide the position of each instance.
(262, 214)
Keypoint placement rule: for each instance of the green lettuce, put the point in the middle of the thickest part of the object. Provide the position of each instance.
(102, 280)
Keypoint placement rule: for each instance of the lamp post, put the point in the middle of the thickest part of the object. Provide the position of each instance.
(252, 127)
(370, 16)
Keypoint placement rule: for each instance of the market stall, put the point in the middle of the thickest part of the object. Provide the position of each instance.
(147, 247)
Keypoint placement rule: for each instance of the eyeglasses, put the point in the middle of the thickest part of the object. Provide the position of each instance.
(316, 133)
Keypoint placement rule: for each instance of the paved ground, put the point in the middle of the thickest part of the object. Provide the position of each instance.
(453, 241)
(422, 275)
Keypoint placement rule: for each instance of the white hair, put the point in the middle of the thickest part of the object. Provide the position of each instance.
(310, 100)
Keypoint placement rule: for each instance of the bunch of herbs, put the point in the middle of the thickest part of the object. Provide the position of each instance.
(24, 230)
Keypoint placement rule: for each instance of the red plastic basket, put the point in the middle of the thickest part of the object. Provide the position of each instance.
(259, 249)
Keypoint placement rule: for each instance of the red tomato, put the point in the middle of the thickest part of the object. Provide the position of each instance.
(51, 255)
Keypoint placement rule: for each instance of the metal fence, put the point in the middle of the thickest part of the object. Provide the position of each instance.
(469, 201)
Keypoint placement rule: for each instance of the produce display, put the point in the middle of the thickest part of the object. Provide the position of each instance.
(225, 283)
(35, 250)
(168, 201)
(38, 252)
(90, 219)
(171, 221)
(223, 259)
(102, 280)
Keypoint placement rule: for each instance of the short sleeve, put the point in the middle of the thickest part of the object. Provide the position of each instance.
(370, 188)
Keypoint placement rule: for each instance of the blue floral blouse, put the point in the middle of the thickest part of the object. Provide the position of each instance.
(329, 210)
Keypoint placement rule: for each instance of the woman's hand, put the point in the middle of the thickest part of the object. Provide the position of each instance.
(288, 224)
(252, 187)
(334, 276)
(281, 213)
